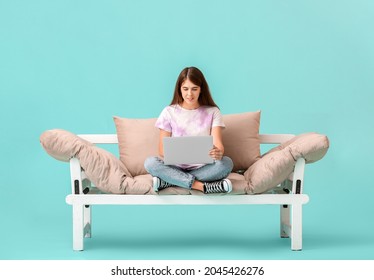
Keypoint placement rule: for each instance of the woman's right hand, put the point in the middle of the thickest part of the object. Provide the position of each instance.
(216, 153)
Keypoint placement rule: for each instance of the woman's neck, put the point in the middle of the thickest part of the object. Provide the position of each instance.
(189, 107)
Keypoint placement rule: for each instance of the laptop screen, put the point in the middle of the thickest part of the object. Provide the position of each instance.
(187, 150)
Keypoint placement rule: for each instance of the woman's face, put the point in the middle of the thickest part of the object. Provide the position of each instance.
(190, 94)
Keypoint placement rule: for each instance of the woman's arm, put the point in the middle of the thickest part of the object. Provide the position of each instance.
(163, 133)
(218, 149)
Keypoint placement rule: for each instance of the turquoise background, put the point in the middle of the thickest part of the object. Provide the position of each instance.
(307, 65)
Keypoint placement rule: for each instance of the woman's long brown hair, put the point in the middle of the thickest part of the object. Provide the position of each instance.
(196, 77)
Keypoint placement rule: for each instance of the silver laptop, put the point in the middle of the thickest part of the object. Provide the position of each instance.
(187, 150)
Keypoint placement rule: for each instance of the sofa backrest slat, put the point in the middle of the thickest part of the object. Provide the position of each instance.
(112, 138)
(100, 138)
(275, 138)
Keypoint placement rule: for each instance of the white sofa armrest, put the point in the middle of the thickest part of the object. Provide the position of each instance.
(76, 176)
(298, 176)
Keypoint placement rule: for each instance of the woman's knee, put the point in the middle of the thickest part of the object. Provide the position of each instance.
(150, 163)
(227, 163)
(224, 166)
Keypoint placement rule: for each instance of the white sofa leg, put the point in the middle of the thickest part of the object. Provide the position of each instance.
(78, 227)
(87, 221)
(285, 221)
(296, 227)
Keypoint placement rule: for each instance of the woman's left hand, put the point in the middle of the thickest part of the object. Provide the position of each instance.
(216, 153)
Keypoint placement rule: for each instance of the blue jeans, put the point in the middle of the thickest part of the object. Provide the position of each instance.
(174, 175)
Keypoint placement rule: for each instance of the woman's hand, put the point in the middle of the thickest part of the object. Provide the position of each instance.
(216, 153)
(218, 150)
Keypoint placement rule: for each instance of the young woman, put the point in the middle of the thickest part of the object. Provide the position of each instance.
(192, 112)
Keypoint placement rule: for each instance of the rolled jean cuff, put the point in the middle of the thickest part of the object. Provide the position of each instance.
(192, 180)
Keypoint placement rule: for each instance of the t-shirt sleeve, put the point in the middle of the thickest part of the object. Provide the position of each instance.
(164, 121)
(217, 118)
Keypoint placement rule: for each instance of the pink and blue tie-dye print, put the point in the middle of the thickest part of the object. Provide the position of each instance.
(183, 122)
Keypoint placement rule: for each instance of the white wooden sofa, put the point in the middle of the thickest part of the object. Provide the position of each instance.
(288, 195)
(99, 177)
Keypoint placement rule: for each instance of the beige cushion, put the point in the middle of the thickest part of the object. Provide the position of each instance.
(241, 139)
(138, 139)
(276, 165)
(102, 168)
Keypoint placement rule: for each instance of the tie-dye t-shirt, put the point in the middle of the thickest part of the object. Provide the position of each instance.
(183, 122)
